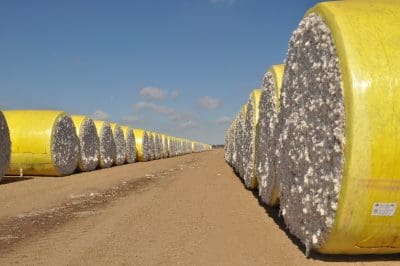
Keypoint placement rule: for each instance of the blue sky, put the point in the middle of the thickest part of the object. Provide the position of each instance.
(181, 67)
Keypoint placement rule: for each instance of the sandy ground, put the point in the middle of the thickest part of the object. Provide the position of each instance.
(189, 210)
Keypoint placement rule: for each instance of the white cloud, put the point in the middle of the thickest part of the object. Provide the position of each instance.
(223, 120)
(153, 93)
(100, 115)
(155, 107)
(222, 2)
(131, 119)
(174, 94)
(208, 103)
(187, 125)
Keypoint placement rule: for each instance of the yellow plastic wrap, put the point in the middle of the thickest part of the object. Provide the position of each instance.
(38, 147)
(139, 135)
(367, 38)
(165, 145)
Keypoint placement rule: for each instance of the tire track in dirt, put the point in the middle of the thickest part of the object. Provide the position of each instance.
(24, 226)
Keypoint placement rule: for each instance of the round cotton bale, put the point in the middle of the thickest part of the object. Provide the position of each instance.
(235, 142)
(44, 143)
(181, 150)
(107, 144)
(165, 146)
(157, 146)
(172, 147)
(142, 145)
(188, 146)
(130, 144)
(232, 143)
(152, 146)
(184, 147)
(181, 147)
(226, 143)
(5, 145)
(120, 144)
(339, 131)
(266, 156)
(240, 141)
(250, 133)
(162, 146)
(177, 144)
(184, 151)
(183, 143)
(88, 142)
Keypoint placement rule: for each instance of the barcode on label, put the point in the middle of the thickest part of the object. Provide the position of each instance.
(384, 209)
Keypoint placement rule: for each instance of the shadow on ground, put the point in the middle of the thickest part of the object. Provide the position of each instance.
(273, 213)
(13, 179)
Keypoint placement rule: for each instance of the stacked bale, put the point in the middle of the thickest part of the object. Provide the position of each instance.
(120, 144)
(5, 145)
(107, 144)
(250, 134)
(339, 130)
(266, 156)
(142, 145)
(88, 142)
(43, 143)
(130, 144)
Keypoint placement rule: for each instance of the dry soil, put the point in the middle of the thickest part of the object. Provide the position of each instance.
(188, 210)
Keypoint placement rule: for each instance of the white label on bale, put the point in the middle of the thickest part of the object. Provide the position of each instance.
(384, 209)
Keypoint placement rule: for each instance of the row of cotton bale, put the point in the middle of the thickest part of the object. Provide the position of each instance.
(321, 137)
(54, 143)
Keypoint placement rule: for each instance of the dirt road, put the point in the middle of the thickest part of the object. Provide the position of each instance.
(189, 210)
